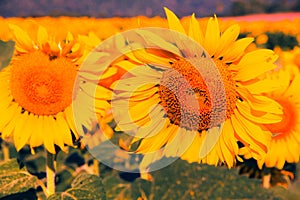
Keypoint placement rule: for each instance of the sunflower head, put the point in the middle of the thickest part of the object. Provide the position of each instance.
(37, 90)
(240, 69)
(192, 93)
(285, 145)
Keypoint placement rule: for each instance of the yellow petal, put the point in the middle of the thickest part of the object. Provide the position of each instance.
(64, 129)
(156, 124)
(55, 48)
(255, 63)
(227, 154)
(101, 107)
(210, 140)
(261, 103)
(234, 52)
(24, 42)
(296, 137)
(186, 141)
(76, 48)
(58, 134)
(4, 87)
(261, 86)
(70, 119)
(245, 151)
(253, 71)
(190, 154)
(212, 36)
(293, 89)
(8, 129)
(258, 139)
(92, 40)
(142, 109)
(37, 135)
(23, 131)
(130, 120)
(42, 36)
(157, 141)
(172, 148)
(69, 37)
(228, 137)
(143, 72)
(147, 160)
(194, 30)
(173, 21)
(148, 58)
(10, 112)
(271, 157)
(281, 160)
(258, 117)
(157, 42)
(212, 158)
(227, 39)
(292, 149)
(48, 123)
(133, 84)
(5, 98)
(283, 77)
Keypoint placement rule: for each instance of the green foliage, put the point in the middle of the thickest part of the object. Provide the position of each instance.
(285, 41)
(14, 179)
(276, 39)
(184, 181)
(180, 180)
(6, 52)
(84, 186)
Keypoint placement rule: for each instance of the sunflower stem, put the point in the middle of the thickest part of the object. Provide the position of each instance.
(266, 179)
(43, 187)
(50, 171)
(5, 150)
(96, 167)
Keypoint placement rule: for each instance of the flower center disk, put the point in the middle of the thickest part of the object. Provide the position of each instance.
(186, 97)
(41, 85)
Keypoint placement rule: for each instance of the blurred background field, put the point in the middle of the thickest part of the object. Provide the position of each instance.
(149, 8)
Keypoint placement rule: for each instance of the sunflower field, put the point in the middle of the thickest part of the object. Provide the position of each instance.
(150, 105)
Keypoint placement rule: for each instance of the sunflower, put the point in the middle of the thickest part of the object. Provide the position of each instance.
(37, 91)
(285, 144)
(88, 80)
(206, 130)
(290, 60)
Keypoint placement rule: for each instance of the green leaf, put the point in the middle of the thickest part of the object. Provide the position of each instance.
(15, 180)
(84, 186)
(284, 41)
(184, 181)
(6, 52)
